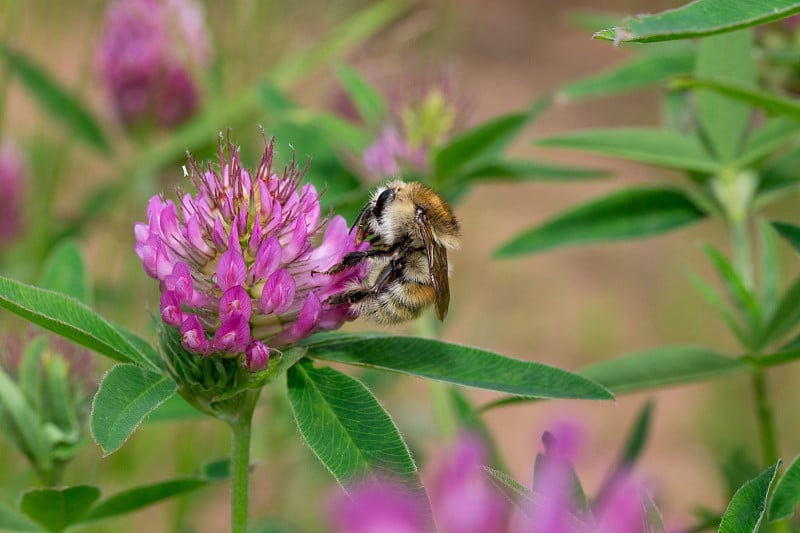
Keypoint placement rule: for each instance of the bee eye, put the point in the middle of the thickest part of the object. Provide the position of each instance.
(384, 198)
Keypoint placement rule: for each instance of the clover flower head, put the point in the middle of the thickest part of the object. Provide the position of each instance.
(241, 263)
(13, 180)
(146, 56)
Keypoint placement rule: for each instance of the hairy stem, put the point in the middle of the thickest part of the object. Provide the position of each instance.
(240, 465)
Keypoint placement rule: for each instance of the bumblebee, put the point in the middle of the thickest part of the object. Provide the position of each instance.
(410, 229)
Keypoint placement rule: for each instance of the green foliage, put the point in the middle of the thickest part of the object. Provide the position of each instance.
(58, 509)
(65, 272)
(453, 363)
(698, 18)
(746, 509)
(127, 394)
(623, 215)
(660, 367)
(654, 65)
(140, 497)
(65, 316)
(346, 427)
(724, 121)
(486, 139)
(55, 100)
(662, 147)
(787, 493)
(367, 100)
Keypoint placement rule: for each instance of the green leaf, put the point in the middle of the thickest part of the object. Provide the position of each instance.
(660, 367)
(173, 409)
(338, 43)
(13, 520)
(138, 498)
(29, 373)
(778, 175)
(65, 272)
(786, 494)
(127, 394)
(23, 421)
(69, 318)
(513, 490)
(367, 100)
(711, 296)
(790, 232)
(57, 509)
(55, 100)
(346, 427)
(485, 139)
(495, 169)
(627, 214)
(725, 58)
(746, 509)
(785, 317)
(470, 419)
(765, 141)
(743, 298)
(769, 267)
(639, 72)
(698, 18)
(452, 363)
(769, 102)
(662, 147)
(787, 354)
(637, 437)
(653, 518)
(59, 401)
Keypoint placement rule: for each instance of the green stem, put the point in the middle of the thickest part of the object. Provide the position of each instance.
(240, 466)
(742, 259)
(766, 421)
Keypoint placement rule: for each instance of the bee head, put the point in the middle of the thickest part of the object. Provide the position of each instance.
(384, 199)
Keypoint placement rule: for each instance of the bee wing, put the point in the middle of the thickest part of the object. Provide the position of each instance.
(437, 264)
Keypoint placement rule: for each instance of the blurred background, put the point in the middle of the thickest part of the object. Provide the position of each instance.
(566, 308)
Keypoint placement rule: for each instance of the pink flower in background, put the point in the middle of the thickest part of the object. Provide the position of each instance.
(240, 261)
(462, 500)
(423, 119)
(13, 182)
(147, 54)
(378, 507)
(554, 508)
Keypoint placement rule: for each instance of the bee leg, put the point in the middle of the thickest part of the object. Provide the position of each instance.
(388, 274)
(354, 258)
(350, 297)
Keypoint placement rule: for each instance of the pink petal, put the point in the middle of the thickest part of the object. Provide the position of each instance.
(267, 260)
(297, 241)
(171, 311)
(278, 293)
(235, 301)
(232, 336)
(181, 282)
(231, 269)
(193, 336)
(306, 322)
(256, 356)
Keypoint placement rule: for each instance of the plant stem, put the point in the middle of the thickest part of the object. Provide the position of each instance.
(743, 262)
(766, 421)
(742, 259)
(240, 467)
